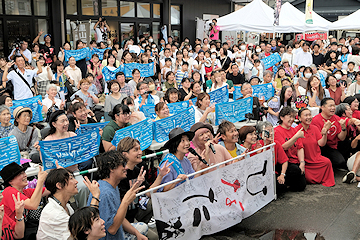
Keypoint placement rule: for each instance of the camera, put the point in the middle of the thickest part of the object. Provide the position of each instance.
(17, 45)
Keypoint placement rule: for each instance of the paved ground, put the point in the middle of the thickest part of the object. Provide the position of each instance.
(321, 212)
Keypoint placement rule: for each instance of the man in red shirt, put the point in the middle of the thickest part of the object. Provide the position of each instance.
(336, 133)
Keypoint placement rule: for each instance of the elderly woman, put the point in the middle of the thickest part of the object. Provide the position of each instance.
(26, 136)
(291, 142)
(204, 137)
(88, 96)
(203, 111)
(318, 169)
(162, 111)
(5, 126)
(172, 95)
(6, 100)
(51, 101)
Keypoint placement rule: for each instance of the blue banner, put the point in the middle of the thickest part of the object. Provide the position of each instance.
(267, 90)
(70, 151)
(9, 151)
(141, 131)
(220, 95)
(146, 70)
(99, 52)
(33, 104)
(184, 119)
(84, 128)
(78, 54)
(174, 108)
(233, 111)
(271, 60)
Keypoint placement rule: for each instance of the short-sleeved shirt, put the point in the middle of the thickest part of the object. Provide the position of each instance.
(317, 99)
(336, 95)
(8, 227)
(356, 114)
(108, 207)
(4, 131)
(109, 131)
(86, 98)
(332, 135)
(238, 79)
(21, 90)
(48, 52)
(216, 34)
(127, 90)
(282, 135)
(72, 124)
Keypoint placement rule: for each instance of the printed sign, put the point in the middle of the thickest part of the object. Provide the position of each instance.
(146, 70)
(99, 52)
(78, 54)
(271, 60)
(184, 119)
(174, 108)
(70, 151)
(220, 95)
(33, 104)
(301, 101)
(262, 90)
(142, 131)
(233, 111)
(9, 151)
(215, 201)
(84, 128)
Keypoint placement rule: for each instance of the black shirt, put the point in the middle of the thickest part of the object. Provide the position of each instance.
(72, 123)
(124, 186)
(227, 63)
(48, 52)
(238, 79)
(318, 59)
(327, 55)
(183, 94)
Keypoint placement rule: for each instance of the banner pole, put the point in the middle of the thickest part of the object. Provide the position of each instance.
(273, 157)
(204, 170)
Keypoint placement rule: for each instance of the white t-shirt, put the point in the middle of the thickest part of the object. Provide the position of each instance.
(21, 90)
(26, 53)
(48, 103)
(99, 34)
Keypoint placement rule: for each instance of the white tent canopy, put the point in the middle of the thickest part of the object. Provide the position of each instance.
(349, 22)
(254, 17)
(259, 17)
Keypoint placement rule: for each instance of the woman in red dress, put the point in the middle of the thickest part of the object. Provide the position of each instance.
(318, 169)
(291, 142)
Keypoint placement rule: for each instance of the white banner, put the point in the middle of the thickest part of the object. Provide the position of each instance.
(215, 201)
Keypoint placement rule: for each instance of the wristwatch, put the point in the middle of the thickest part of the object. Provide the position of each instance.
(19, 220)
(283, 174)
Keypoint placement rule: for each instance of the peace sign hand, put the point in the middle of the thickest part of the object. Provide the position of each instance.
(165, 169)
(141, 177)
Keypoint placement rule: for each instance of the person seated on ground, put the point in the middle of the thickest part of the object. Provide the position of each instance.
(291, 142)
(144, 97)
(9, 230)
(93, 88)
(185, 91)
(354, 106)
(86, 223)
(6, 100)
(52, 102)
(343, 111)
(170, 81)
(196, 89)
(152, 88)
(247, 91)
(79, 116)
(266, 131)
(114, 98)
(136, 116)
(205, 144)
(302, 81)
(162, 111)
(336, 133)
(218, 82)
(336, 92)
(88, 96)
(278, 103)
(26, 136)
(315, 91)
(112, 169)
(203, 111)
(248, 139)
(178, 145)
(120, 117)
(5, 125)
(230, 137)
(15, 182)
(141, 208)
(278, 78)
(318, 169)
(124, 87)
(172, 95)
(55, 216)
(229, 82)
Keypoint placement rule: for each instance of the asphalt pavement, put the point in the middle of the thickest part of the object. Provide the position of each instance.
(331, 213)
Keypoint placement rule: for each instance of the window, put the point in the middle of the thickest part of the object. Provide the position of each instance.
(156, 32)
(71, 7)
(18, 7)
(41, 24)
(127, 9)
(143, 29)
(109, 8)
(143, 10)
(90, 7)
(175, 14)
(127, 32)
(16, 29)
(1, 9)
(156, 11)
(40, 7)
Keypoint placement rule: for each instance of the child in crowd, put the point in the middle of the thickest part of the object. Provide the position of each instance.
(182, 73)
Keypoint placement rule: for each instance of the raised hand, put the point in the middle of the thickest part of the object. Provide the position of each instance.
(41, 176)
(19, 204)
(141, 176)
(131, 194)
(300, 133)
(165, 169)
(92, 186)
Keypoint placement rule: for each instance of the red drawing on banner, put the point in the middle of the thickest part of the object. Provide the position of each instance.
(235, 185)
(242, 207)
(229, 202)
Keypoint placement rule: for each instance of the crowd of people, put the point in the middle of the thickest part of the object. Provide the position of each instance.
(63, 204)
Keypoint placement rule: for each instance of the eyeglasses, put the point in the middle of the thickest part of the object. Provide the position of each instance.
(125, 114)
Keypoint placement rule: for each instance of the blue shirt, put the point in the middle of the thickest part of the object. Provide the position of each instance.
(108, 207)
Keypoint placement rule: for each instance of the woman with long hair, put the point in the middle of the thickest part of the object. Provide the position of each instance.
(203, 111)
(315, 91)
(279, 102)
(336, 92)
